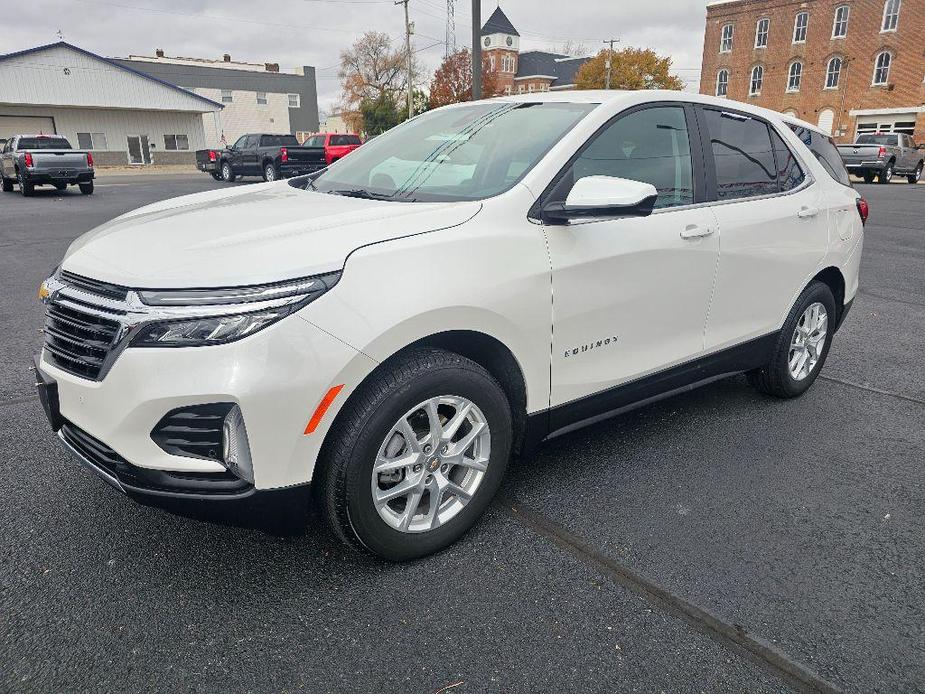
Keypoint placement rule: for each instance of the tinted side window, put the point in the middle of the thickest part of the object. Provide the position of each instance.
(651, 145)
(345, 140)
(745, 166)
(824, 149)
(789, 173)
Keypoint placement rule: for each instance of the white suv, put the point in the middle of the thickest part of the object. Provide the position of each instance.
(486, 276)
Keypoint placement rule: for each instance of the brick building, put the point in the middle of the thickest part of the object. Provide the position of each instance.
(530, 71)
(849, 65)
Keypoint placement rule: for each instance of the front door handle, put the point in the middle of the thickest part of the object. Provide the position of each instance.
(807, 212)
(696, 231)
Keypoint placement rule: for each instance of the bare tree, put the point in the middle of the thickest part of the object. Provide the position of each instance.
(576, 50)
(372, 68)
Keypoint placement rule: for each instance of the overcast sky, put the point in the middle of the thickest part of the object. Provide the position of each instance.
(313, 32)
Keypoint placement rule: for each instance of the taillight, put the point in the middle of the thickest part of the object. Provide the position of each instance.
(90, 159)
(283, 154)
(212, 156)
(863, 209)
(882, 152)
(27, 158)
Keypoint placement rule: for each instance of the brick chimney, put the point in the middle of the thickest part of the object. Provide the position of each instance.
(227, 57)
(159, 52)
(271, 67)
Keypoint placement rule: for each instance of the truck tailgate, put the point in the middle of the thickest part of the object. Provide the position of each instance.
(856, 155)
(49, 161)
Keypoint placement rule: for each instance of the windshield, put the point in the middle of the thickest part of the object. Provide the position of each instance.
(876, 140)
(43, 143)
(461, 153)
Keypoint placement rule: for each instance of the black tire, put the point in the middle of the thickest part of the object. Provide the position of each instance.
(228, 174)
(27, 189)
(916, 176)
(775, 378)
(868, 177)
(217, 175)
(60, 186)
(8, 185)
(346, 462)
(86, 188)
(269, 172)
(886, 175)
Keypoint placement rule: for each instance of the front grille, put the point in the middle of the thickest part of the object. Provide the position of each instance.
(110, 291)
(194, 431)
(76, 340)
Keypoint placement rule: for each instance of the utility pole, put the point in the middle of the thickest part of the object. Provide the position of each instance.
(609, 61)
(409, 29)
(476, 49)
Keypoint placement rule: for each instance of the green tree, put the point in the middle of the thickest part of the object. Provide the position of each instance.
(631, 68)
(379, 114)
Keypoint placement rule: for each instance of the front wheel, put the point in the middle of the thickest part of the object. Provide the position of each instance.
(228, 175)
(916, 175)
(886, 175)
(802, 346)
(416, 456)
(269, 173)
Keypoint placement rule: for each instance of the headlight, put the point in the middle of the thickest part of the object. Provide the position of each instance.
(217, 329)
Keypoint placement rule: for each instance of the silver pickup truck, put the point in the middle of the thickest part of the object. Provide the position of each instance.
(33, 160)
(882, 155)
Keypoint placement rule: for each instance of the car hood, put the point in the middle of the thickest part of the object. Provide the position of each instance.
(247, 235)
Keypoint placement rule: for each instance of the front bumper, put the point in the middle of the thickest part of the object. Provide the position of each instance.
(276, 376)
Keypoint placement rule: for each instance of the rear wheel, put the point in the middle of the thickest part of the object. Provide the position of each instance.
(416, 456)
(27, 189)
(916, 175)
(7, 185)
(61, 186)
(269, 172)
(228, 173)
(887, 174)
(868, 177)
(86, 188)
(802, 346)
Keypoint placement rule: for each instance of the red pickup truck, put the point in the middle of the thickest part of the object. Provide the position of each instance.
(336, 145)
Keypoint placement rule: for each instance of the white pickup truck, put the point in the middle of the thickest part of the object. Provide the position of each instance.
(33, 160)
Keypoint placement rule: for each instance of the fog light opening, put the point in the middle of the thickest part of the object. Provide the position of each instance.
(236, 450)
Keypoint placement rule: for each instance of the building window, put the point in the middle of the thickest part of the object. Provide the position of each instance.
(906, 127)
(754, 88)
(725, 43)
(722, 83)
(530, 88)
(891, 15)
(295, 101)
(491, 62)
(833, 73)
(520, 89)
(799, 27)
(91, 141)
(507, 90)
(795, 76)
(840, 25)
(227, 96)
(761, 33)
(176, 142)
(261, 98)
(882, 68)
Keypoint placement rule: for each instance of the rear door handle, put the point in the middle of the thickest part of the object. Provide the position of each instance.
(807, 212)
(696, 231)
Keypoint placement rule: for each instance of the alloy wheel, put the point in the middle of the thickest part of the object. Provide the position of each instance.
(270, 173)
(431, 464)
(808, 341)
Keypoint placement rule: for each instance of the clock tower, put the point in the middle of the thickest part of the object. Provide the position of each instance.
(501, 48)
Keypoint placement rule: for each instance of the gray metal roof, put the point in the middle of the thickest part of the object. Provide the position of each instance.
(498, 23)
(562, 67)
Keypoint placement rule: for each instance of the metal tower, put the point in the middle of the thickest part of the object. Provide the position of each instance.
(450, 28)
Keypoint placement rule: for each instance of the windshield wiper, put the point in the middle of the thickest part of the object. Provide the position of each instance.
(360, 193)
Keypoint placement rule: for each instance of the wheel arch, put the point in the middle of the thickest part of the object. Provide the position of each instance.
(835, 280)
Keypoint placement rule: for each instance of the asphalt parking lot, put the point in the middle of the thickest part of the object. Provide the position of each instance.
(717, 541)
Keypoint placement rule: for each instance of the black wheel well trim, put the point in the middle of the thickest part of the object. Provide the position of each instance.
(833, 278)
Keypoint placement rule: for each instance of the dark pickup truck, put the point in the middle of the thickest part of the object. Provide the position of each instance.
(261, 154)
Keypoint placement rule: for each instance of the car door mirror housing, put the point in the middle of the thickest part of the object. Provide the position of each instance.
(604, 196)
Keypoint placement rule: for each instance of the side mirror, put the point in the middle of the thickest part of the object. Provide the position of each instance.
(604, 196)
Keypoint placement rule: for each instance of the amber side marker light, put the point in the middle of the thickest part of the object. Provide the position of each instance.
(43, 291)
(322, 408)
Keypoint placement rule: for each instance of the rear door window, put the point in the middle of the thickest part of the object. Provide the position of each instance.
(742, 154)
(824, 149)
(338, 140)
(278, 141)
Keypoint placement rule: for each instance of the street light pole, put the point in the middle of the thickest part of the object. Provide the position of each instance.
(476, 49)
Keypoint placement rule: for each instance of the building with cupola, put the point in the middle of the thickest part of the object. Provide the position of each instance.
(523, 72)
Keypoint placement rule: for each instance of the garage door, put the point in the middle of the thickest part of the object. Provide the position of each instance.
(25, 125)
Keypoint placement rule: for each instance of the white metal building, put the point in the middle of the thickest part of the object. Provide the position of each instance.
(124, 116)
